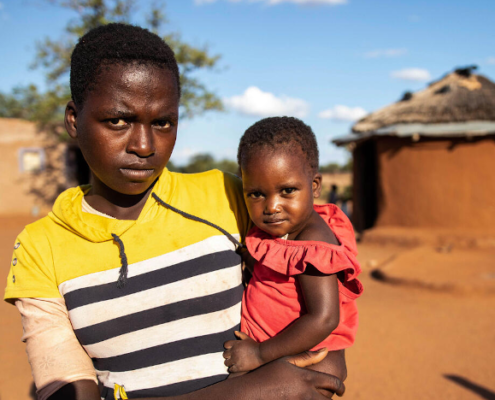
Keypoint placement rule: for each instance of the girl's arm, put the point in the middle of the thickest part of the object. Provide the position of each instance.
(54, 353)
(283, 379)
(321, 298)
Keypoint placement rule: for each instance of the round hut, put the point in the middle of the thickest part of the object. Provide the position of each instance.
(428, 160)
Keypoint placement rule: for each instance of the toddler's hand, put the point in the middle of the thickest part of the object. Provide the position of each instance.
(242, 355)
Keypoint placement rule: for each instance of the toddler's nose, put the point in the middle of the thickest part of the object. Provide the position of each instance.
(272, 206)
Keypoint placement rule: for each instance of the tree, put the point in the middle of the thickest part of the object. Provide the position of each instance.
(28, 103)
(54, 57)
(334, 168)
(348, 166)
(331, 168)
(205, 162)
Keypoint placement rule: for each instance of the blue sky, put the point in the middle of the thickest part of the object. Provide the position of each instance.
(327, 62)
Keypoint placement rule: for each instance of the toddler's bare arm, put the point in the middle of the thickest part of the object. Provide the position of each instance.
(321, 298)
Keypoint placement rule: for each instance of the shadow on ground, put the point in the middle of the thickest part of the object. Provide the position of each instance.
(473, 387)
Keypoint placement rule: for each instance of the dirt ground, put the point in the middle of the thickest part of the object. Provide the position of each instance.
(414, 341)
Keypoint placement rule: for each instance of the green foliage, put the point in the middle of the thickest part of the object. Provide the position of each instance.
(28, 103)
(334, 168)
(54, 57)
(347, 167)
(205, 162)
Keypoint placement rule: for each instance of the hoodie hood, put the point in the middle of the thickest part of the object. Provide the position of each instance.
(67, 212)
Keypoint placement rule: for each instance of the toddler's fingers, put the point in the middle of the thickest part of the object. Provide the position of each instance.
(227, 354)
(233, 369)
(241, 335)
(228, 363)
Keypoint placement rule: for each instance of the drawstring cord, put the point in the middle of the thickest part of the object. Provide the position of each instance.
(197, 219)
(122, 281)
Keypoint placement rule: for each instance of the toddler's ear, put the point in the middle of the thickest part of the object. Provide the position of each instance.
(317, 185)
(71, 119)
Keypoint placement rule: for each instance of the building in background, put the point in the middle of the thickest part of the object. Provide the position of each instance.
(35, 167)
(428, 160)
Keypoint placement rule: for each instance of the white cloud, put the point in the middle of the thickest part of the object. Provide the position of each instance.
(412, 74)
(385, 53)
(257, 103)
(414, 18)
(275, 2)
(490, 60)
(343, 113)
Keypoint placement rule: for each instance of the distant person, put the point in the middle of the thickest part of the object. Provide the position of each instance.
(344, 208)
(333, 196)
(345, 198)
(304, 285)
(133, 282)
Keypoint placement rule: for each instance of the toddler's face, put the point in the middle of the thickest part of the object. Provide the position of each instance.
(127, 127)
(279, 189)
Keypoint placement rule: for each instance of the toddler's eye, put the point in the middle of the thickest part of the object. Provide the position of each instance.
(255, 195)
(288, 190)
(117, 121)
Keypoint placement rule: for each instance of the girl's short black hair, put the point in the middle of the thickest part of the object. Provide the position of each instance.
(116, 44)
(287, 133)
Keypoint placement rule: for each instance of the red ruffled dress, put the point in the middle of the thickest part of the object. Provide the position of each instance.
(273, 298)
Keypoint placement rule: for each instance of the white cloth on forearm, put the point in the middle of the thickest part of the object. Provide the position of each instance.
(55, 355)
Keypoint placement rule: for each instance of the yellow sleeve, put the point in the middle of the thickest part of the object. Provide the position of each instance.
(31, 268)
(233, 188)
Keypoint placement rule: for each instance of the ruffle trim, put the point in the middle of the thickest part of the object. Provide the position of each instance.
(291, 257)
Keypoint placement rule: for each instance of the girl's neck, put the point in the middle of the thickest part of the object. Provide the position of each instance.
(117, 205)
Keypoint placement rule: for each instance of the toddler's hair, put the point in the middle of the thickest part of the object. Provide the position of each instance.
(287, 133)
(116, 44)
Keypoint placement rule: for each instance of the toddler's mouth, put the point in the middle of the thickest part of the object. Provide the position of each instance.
(273, 221)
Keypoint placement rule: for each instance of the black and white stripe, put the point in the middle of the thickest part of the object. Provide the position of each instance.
(163, 333)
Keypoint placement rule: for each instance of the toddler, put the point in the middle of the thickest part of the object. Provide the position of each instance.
(304, 282)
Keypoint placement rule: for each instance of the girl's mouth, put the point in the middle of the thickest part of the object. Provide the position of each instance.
(137, 173)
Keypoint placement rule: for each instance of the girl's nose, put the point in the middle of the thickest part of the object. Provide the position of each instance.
(141, 141)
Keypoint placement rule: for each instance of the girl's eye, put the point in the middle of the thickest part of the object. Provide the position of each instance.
(117, 121)
(163, 124)
(288, 190)
(255, 195)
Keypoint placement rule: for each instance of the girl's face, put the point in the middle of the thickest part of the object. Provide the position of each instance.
(127, 127)
(279, 188)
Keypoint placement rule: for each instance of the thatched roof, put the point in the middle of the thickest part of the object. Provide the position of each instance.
(460, 96)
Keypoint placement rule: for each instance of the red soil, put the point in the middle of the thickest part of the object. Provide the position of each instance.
(413, 342)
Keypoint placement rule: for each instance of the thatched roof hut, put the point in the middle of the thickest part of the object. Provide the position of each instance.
(427, 160)
(460, 96)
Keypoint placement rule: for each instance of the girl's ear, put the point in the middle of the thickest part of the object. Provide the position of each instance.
(316, 185)
(71, 119)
